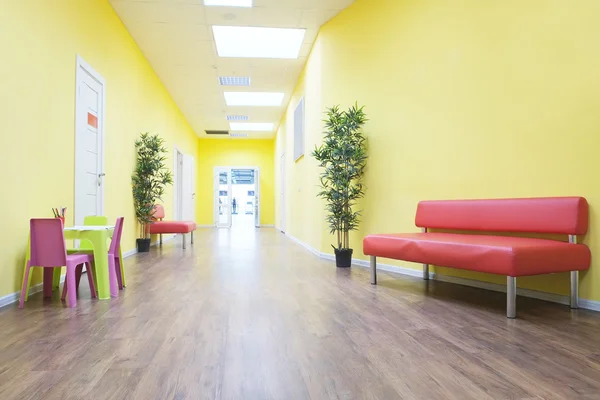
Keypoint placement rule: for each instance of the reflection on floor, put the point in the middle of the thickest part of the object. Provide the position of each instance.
(249, 314)
(242, 220)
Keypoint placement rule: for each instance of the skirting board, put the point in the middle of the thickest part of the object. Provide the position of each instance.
(14, 297)
(555, 298)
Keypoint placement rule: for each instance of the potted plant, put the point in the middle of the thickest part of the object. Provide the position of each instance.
(343, 157)
(149, 180)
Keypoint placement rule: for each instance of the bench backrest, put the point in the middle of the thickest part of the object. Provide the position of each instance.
(159, 212)
(565, 215)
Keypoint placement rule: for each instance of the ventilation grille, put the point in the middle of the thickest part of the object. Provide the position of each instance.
(234, 80)
(239, 135)
(217, 132)
(237, 118)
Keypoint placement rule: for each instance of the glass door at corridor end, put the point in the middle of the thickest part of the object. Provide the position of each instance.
(222, 207)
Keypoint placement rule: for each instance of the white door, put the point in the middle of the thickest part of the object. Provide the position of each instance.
(282, 193)
(178, 156)
(257, 198)
(187, 188)
(89, 143)
(222, 197)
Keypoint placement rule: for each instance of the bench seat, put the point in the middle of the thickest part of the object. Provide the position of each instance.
(161, 227)
(503, 255)
(158, 227)
(482, 249)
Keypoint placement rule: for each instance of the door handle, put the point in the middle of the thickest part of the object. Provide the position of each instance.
(100, 178)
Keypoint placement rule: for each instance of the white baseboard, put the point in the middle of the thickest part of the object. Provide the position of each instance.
(305, 245)
(130, 253)
(267, 226)
(204, 226)
(14, 297)
(554, 298)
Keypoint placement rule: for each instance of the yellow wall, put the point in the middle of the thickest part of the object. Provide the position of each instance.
(39, 40)
(244, 153)
(303, 213)
(469, 99)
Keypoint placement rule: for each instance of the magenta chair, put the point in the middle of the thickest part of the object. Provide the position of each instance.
(114, 261)
(48, 250)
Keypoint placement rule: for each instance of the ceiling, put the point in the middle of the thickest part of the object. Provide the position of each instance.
(176, 37)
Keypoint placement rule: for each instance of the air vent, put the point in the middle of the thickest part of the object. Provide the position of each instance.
(217, 132)
(237, 118)
(234, 80)
(239, 135)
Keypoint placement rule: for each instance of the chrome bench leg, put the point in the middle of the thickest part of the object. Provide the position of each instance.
(574, 289)
(373, 270)
(160, 240)
(183, 240)
(192, 238)
(574, 301)
(425, 266)
(511, 297)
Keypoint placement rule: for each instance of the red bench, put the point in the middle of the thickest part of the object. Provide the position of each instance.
(161, 227)
(502, 255)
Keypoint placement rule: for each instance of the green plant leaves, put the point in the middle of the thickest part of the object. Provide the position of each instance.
(343, 157)
(150, 177)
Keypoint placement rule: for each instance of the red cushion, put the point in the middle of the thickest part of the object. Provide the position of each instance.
(159, 212)
(566, 215)
(172, 227)
(493, 254)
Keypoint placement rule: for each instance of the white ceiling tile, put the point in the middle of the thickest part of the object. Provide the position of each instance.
(176, 38)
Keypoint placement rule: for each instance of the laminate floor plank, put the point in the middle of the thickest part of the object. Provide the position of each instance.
(249, 314)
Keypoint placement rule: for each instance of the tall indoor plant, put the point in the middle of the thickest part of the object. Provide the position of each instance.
(343, 157)
(149, 181)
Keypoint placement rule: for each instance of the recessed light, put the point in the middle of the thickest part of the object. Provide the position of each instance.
(251, 126)
(263, 99)
(239, 135)
(234, 80)
(237, 118)
(254, 42)
(228, 3)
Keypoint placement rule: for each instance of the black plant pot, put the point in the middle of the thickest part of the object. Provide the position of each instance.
(343, 258)
(143, 245)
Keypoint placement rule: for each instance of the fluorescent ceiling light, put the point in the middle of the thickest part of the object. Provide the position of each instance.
(238, 135)
(251, 126)
(234, 80)
(228, 3)
(237, 118)
(252, 42)
(263, 99)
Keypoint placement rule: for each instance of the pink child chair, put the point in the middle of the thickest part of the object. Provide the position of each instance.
(48, 250)
(114, 261)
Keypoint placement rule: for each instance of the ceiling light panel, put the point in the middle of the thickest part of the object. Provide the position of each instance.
(253, 42)
(237, 118)
(234, 80)
(259, 99)
(251, 126)
(228, 3)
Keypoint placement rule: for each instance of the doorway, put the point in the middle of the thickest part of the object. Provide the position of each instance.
(237, 197)
(184, 182)
(282, 193)
(90, 104)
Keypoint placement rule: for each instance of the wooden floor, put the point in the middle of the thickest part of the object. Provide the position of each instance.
(251, 315)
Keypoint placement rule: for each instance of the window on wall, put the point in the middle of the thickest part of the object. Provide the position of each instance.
(299, 130)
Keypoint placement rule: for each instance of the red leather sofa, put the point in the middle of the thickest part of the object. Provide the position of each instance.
(495, 254)
(160, 227)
